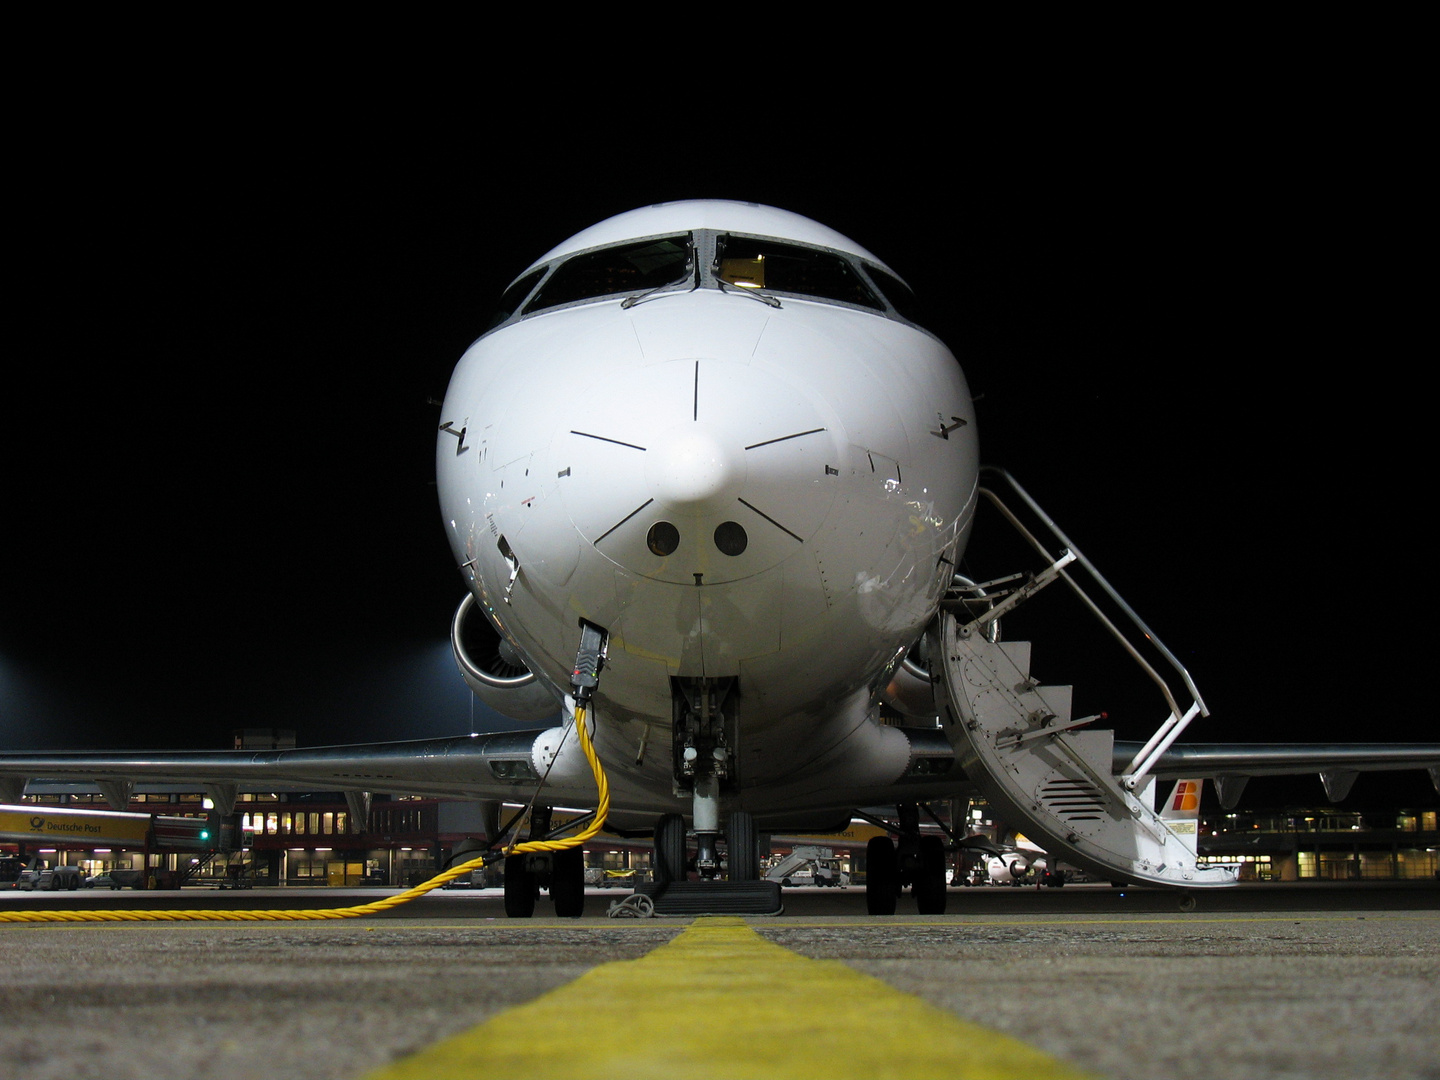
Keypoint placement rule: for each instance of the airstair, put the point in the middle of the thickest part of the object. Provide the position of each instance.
(1019, 744)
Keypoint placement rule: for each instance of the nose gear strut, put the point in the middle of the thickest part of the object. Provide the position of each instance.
(703, 743)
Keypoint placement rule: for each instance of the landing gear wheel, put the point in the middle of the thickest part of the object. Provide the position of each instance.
(520, 888)
(929, 885)
(669, 849)
(744, 847)
(882, 876)
(567, 882)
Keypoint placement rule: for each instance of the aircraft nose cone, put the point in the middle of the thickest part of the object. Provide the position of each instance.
(689, 465)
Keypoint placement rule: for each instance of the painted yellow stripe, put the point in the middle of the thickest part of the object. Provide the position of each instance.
(721, 1001)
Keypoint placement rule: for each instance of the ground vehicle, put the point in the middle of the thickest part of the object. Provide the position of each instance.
(10, 869)
(808, 865)
(39, 876)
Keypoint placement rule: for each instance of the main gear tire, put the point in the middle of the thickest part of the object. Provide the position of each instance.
(929, 888)
(567, 882)
(521, 888)
(882, 876)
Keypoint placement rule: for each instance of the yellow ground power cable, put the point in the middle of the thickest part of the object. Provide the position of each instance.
(602, 808)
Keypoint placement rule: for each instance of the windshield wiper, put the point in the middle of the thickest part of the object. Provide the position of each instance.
(764, 298)
(631, 301)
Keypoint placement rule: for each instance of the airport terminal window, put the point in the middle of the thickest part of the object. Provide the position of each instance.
(752, 263)
(629, 268)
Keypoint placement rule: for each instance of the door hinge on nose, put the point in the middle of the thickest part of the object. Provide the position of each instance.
(509, 556)
(449, 428)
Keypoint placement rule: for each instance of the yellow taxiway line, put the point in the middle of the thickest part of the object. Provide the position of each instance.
(721, 1001)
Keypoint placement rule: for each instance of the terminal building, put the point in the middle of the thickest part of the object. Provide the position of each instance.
(1327, 844)
(272, 839)
(310, 839)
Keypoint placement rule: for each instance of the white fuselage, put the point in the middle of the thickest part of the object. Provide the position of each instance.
(836, 443)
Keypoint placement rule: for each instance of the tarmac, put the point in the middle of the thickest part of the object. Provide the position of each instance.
(1267, 981)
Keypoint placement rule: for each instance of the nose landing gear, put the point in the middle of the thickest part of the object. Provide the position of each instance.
(703, 740)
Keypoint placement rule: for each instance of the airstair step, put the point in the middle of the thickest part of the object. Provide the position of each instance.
(1055, 785)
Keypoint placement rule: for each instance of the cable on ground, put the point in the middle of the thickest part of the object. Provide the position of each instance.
(638, 906)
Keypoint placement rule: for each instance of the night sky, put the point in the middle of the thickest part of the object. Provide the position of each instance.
(219, 491)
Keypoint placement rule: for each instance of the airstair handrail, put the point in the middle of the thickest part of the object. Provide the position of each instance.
(1178, 718)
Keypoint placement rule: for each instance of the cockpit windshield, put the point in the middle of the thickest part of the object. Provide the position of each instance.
(629, 268)
(753, 263)
(765, 267)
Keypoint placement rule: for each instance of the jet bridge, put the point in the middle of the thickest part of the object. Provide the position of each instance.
(1018, 742)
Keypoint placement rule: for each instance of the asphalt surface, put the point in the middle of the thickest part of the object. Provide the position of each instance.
(1264, 982)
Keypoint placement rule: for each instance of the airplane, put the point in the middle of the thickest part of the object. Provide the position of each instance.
(707, 476)
(1011, 867)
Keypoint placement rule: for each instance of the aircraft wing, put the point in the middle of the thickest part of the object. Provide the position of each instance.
(503, 766)
(1231, 764)
(497, 766)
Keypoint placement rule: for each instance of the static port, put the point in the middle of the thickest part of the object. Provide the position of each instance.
(663, 538)
(730, 537)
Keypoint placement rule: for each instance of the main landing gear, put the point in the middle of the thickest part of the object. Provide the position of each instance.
(562, 872)
(917, 861)
(544, 859)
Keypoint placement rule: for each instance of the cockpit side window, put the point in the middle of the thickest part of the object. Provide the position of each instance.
(628, 268)
(896, 291)
(514, 296)
(753, 263)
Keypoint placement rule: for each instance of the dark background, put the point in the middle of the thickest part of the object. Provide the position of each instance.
(1184, 317)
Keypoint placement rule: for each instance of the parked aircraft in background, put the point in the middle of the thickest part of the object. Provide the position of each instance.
(714, 433)
(1013, 867)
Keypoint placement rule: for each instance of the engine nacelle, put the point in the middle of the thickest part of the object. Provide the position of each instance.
(910, 692)
(911, 689)
(493, 670)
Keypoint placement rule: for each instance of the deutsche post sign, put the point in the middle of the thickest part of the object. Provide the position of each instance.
(37, 824)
